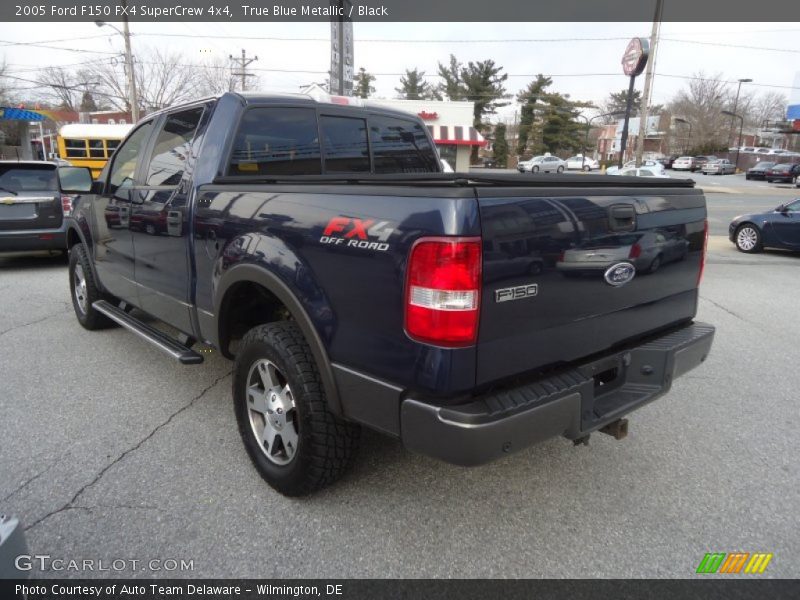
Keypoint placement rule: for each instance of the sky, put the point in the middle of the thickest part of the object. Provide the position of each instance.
(583, 59)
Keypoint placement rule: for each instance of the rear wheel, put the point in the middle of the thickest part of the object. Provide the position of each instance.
(654, 266)
(534, 169)
(84, 291)
(587, 168)
(560, 169)
(748, 238)
(295, 442)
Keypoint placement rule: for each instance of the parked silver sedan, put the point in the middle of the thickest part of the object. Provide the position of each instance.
(542, 164)
(720, 166)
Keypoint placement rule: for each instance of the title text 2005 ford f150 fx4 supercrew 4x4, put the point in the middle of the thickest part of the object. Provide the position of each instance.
(319, 245)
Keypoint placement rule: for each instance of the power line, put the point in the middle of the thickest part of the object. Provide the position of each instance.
(724, 45)
(73, 39)
(36, 45)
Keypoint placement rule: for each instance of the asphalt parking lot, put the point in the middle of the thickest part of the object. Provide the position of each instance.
(110, 450)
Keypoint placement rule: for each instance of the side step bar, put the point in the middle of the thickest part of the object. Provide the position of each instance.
(158, 338)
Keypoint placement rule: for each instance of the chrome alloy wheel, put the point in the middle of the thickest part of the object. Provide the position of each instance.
(747, 238)
(272, 411)
(79, 288)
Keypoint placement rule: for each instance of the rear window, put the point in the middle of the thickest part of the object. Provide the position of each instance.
(28, 179)
(277, 141)
(345, 143)
(400, 146)
(287, 141)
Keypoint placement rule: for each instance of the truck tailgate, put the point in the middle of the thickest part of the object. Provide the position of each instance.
(569, 273)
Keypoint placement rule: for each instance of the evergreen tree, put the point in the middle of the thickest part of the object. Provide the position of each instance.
(362, 84)
(530, 97)
(500, 145)
(414, 87)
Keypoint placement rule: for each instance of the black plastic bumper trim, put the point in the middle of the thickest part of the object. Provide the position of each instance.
(572, 403)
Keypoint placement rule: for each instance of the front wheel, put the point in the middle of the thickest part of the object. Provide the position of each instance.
(83, 290)
(534, 169)
(295, 442)
(560, 170)
(748, 239)
(587, 168)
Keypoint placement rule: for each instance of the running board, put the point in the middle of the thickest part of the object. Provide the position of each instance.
(158, 338)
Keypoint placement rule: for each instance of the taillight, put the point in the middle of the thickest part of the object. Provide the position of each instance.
(636, 251)
(703, 255)
(66, 205)
(443, 291)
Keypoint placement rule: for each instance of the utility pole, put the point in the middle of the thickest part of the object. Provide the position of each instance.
(648, 82)
(133, 98)
(243, 63)
(126, 33)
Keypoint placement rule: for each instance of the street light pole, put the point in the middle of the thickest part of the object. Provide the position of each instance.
(741, 126)
(588, 122)
(133, 98)
(689, 139)
(735, 106)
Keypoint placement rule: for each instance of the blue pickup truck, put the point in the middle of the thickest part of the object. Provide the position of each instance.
(319, 246)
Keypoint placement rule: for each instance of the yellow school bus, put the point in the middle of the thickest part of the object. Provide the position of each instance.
(90, 145)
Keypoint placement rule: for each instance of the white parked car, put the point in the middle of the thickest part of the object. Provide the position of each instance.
(683, 163)
(579, 163)
(542, 164)
(641, 172)
(652, 165)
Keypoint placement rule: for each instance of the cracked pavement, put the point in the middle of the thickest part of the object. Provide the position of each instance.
(112, 450)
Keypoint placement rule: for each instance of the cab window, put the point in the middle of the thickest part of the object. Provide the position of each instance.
(400, 146)
(277, 141)
(124, 164)
(173, 146)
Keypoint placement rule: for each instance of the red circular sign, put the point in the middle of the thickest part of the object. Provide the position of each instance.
(635, 57)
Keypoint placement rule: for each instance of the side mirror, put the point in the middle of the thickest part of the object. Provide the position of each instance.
(781, 208)
(75, 180)
(98, 187)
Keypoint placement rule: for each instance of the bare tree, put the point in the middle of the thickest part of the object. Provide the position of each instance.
(60, 87)
(702, 103)
(216, 77)
(770, 106)
(163, 78)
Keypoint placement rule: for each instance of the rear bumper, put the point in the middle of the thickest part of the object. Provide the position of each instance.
(34, 239)
(571, 403)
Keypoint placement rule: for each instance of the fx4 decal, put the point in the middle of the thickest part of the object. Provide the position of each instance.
(357, 233)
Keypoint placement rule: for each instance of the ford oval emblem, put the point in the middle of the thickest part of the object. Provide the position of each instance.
(620, 274)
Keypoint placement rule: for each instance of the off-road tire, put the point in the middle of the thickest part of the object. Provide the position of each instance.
(88, 317)
(326, 444)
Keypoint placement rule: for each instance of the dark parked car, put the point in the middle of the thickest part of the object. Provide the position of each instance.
(700, 162)
(782, 172)
(667, 161)
(34, 199)
(777, 229)
(759, 171)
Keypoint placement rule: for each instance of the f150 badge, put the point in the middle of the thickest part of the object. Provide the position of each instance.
(518, 292)
(357, 233)
(620, 274)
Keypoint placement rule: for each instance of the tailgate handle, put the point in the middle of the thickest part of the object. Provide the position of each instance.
(622, 217)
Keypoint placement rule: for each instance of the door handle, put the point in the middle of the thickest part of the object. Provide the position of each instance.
(621, 217)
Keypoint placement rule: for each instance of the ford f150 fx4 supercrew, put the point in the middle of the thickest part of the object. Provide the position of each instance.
(319, 245)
